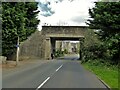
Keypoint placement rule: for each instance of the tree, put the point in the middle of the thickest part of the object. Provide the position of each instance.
(18, 19)
(31, 22)
(106, 17)
(0, 28)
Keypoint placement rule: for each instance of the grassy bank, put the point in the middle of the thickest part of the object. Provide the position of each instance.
(109, 74)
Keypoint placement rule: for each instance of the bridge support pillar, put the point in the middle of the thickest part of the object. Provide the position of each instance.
(53, 44)
(47, 49)
(81, 47)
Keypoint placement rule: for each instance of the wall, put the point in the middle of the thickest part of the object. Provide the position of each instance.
(33, 47)
(38, 45)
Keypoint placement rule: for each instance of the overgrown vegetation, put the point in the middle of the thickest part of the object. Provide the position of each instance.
(65, 51)
(101, 46)
(104, 41)
(0, 27)
(59, 52)
(18, 19)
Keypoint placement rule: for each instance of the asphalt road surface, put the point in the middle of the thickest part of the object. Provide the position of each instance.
(65, 72)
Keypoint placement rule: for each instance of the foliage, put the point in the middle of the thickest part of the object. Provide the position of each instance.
(18, 19)
(106, 19)
(92, 47)
(59, 53)
(112, 45)
(65, 51)
(106, 16)
(0, 12)
(0, 28)
(101, 47)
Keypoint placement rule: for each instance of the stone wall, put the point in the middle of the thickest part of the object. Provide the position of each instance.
(38, 45)
(33, 47)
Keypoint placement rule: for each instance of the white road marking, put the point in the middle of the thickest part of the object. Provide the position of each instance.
(43, 83)
(47, 79)
(59, 68)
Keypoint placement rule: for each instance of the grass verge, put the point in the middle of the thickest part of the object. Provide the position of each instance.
(109, 74)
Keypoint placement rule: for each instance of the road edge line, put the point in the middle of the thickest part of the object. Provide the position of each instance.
(109, 88)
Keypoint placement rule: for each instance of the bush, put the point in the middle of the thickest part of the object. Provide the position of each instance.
(65, 51)
(94, 51)
(59, 53)
(112, 45)
(107, 49)
(92, 47)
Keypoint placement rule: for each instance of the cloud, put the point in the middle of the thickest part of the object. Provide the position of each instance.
(78, 19)
(45, 6)
(45, 9)
(72, 12)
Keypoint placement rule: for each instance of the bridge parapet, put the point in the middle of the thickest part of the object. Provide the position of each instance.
(65, 30)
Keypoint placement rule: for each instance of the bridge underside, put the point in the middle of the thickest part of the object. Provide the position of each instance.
(66, 38)
(50, 46)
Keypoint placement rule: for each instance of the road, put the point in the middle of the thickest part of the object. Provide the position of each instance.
(65, 72)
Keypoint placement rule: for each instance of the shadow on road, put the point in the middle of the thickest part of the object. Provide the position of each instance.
(69, 57)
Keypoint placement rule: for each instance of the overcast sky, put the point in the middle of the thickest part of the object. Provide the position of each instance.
(64, 12)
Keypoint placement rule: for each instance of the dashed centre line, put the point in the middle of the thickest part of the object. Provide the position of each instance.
(59, 68)
(47, 79)
(43, 83)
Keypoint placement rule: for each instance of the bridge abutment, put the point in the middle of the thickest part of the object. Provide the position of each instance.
(47, 49)
(53, 45)
(42, 44)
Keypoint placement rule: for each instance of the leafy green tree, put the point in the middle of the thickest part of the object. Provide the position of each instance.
(31, 22)
(106, 17)
(0, 28)
(18, 19)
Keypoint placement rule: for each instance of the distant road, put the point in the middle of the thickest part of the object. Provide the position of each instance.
(53, 74)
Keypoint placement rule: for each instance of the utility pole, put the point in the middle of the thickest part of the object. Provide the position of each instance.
(17, 52)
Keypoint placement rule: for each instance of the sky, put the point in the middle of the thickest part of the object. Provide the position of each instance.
(64, 12)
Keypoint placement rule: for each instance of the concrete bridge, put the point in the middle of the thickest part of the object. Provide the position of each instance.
(43, 43)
